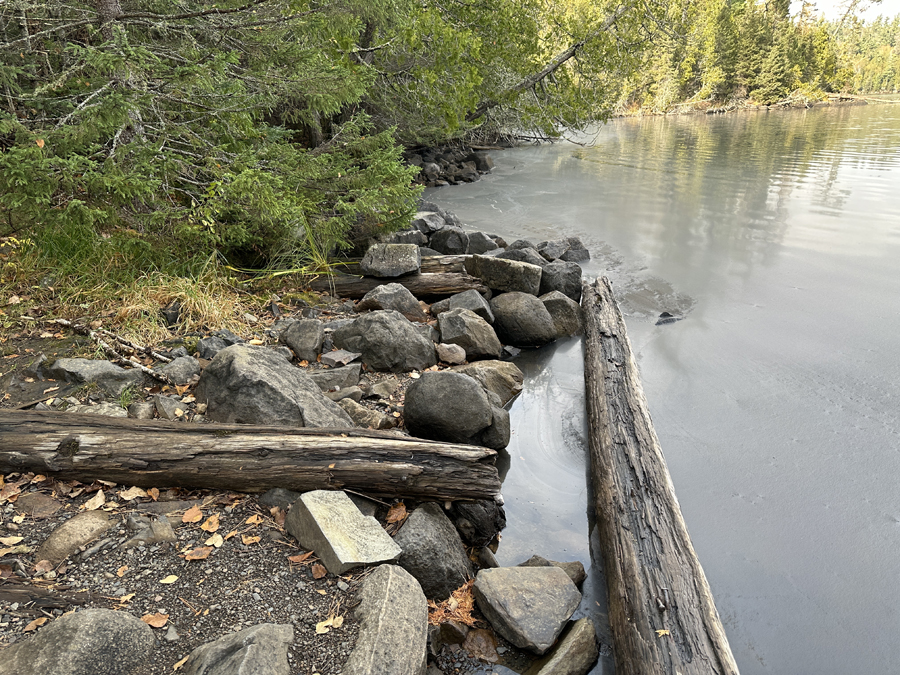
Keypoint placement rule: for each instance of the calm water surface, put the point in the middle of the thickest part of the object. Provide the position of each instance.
(776, 399)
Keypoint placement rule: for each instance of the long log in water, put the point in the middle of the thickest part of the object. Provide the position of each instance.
(243, 457)
(661, 611)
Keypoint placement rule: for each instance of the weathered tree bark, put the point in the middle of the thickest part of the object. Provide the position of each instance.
(243, 457)
(435, 264)
(661, 610)
(420, 285)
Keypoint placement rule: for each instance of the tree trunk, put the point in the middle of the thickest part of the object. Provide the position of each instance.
(243, 457)
(109, 11)
(661, 610)
(420, 285)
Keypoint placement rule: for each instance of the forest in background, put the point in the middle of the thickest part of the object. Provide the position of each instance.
(147, 140)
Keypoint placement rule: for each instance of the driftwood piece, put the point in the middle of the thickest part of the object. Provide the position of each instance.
(434, 264)
(420, 285)
(243, 457)
(661, 610)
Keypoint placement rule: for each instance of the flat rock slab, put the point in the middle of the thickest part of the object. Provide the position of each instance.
(260, 650)
(391, 260)
(329, 523)
(89, 642)
(108, 376)
(79, 530)
(339, 357)
(529, 606)
(575, 654)
(334, 378)
(505, 275)
(393, 616)
(37, 505)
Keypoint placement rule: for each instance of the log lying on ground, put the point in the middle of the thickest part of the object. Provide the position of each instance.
(420, 285)
(243, 457)
(661, 610)
(430, 265)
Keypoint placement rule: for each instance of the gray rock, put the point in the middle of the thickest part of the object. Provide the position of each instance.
(392, 296)
(208, 347)
(181, 370)
(393, 617)
(333, 378)
(505, 275)
(305, 338)
(521, 319)
(486, 558)
(552, 250)
(500, 377)
(254, 385)
(574, 569)
(227, 337)
(366, 418)
(387, 341)
(449, 241)
(109, 377)
(440, 306)
(565, 313)
(384, 388)
(105, 409)
(468, 330)
(414, 236)
(428, 222)
(353, 393)
(575, 653)
(529, 606)
(480, 243)
(562, 276)
(339, 357)
(171, 634)
(260, 650)
(471, 300)
(158, 531)
(428, 332)
(391, 260)
(79, 530)
(450, 354)
(520, 244)
(526, 255)
(497, 435)
(279, 497)
(169, 408)
(482, 160)
(446, 406)
(577, 251)
(433, 552)
(141, 410)
(449, 217)
(330, 524)
(478, 523)
(428, 252)
(89, 642)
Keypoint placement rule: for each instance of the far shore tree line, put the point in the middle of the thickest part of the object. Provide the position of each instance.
(163, 135)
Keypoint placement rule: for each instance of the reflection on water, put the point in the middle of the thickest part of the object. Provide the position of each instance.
(777, 398)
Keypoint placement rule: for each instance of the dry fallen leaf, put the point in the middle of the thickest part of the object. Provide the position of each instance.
(248, 540)
(337, 622)
(42, 566)
(35, 624)
(15, 550)
(156, 620)
(397, 513)
(132, 493)
(19, 519)
(201, 553)
(95, 502)
(321, 592)
(662, 632)
(256, 342)
(126, 598)
(154, 493)
(318, 571)
(323, 626)
(192, 515)
(178, 665)
(297, 559)
(40, 142)
(188, 399)
(107, 483)
(10, 541)
(230, 535)
(255, 519)
(215, 540)
(171, 579)
(121, 571)
(304, 363)
(211, 524)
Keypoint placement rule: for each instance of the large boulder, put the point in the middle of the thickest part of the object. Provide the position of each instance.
(392, 296)
(428, 222)
(503, 378)
(577, 251)
(521, 319)
(562, 276)
(387, 341)
(393, 618)
(305, 338)
(433, 552)
(468, 330)
(505, 275)
(529, 606)
(254, 385)
(89, 642)
(565, 313)
(414, 236)
(260, 650)
(479, 243)
(449, 241)
(471, 300)
(552, 250)
(526, 255)
(447, 406)
(108, 376)
(391, 260)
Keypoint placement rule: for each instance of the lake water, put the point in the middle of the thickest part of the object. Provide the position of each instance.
(776, 399)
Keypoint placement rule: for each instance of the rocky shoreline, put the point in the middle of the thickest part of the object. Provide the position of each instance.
(441, 370)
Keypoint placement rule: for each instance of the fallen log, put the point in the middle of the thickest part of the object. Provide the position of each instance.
(430, 265)
(243, 457)
(420, 285)
(661, 610)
